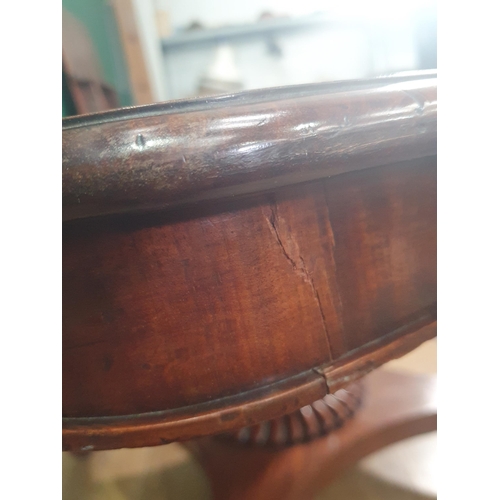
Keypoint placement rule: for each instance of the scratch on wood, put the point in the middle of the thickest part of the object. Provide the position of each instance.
(417, 99)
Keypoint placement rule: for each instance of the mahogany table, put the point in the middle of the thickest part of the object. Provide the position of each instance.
(234, 266)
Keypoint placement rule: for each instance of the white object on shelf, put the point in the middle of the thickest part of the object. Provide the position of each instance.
(224, 66)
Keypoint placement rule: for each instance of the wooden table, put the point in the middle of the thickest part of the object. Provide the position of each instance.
(234, 265)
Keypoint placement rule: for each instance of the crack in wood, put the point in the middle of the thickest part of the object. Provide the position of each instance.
(300, 269)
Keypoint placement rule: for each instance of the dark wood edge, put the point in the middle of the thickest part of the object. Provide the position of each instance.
(188, 152)
(185, 423)
(247, 97)
(275, 400)
(361, 362)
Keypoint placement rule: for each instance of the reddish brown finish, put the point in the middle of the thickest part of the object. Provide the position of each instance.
(385, 246)
(209, 317)
(309, 422)
(200, 317)
(186, 151)
(356, 364)
(199, 420)
(396, 406)
(241, 410)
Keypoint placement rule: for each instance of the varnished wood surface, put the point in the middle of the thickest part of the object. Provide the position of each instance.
(249, 408)
(305, 424)
(202, 318)
(397, 406)
(187, 151)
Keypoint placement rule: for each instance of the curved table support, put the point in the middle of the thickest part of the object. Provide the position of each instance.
(396, 406)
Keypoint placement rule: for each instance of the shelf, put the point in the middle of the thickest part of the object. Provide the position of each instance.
(257, 29)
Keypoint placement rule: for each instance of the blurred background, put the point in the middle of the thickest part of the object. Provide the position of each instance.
(132, 52)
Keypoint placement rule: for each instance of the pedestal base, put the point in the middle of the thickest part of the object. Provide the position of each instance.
(395, 406)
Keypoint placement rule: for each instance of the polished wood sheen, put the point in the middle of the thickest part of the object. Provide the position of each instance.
(230, 260)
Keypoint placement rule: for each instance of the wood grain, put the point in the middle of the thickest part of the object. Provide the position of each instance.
(201, 318)
(187, 151)
(385, 253)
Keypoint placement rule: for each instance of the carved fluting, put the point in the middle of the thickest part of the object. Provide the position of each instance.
(305, 424)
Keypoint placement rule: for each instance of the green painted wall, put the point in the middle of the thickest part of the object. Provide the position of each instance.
(98, 18)
(68, 106)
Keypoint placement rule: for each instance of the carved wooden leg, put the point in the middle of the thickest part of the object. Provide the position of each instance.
(395, 406)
